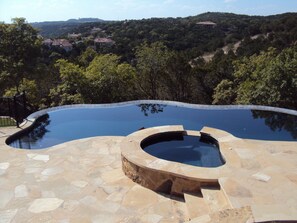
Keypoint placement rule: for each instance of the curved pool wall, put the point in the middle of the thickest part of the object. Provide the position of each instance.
(166, 176)
(66, 123)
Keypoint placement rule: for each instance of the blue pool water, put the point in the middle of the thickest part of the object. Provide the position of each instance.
(68, 124)
(189, 150)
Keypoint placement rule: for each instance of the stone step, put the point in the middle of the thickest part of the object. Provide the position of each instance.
(196, 205)
(215, 199)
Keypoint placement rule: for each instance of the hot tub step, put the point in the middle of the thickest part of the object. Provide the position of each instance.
(215, 199)
(196, 205)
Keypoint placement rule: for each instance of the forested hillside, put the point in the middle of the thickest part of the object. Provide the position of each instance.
(250, 60)
(60, 28)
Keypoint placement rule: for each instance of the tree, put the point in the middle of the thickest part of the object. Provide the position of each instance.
(87, 56)
(273, 79)
(109, 80)
(101, 73)
(30, 87)
(71, 89)
(267, 79)
(178, 79)
(151, 65)
(126, 88)
(19, 51)
(224, 93)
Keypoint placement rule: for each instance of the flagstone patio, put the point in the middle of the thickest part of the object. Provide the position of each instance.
(83, 181)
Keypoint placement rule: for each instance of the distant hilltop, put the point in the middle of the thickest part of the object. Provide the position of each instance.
(69, 21)
(82, 20)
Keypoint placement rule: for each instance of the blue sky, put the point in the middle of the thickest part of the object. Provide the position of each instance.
(53, 10)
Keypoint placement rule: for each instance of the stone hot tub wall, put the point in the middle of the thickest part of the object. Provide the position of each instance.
(162, 175)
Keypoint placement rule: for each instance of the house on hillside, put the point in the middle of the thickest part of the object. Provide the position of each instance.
(63, 43)
(74, 36)
(47, 42)
(209, 24)
(104, 41)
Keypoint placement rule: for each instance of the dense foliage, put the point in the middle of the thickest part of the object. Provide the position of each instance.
(269, 78)
(253, 60)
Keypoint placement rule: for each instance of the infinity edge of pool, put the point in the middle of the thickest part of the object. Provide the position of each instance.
(34, 117)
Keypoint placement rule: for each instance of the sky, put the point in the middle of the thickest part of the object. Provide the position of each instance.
(56, 10)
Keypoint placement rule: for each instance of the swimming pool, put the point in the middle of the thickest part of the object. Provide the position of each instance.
(62, 124)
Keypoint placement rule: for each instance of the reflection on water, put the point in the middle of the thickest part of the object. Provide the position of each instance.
(278, 121)
(152, 108)
(39, 130)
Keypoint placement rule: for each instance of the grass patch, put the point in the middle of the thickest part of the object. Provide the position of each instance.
(7, 121)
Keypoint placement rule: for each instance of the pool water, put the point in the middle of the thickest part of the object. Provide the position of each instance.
(66, 124)
(189, 150)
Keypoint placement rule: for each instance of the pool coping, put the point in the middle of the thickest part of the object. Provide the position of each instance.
(37, 114)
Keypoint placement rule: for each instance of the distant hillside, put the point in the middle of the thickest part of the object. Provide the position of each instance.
(199, 35)
(60, 28)
(204, 33)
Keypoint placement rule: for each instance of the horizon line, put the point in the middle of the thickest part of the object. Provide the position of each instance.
(153, 17)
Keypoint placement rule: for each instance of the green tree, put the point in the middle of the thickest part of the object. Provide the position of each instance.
(19, 51)
(267, 79)
(151, 65)
(72, 86)
(178, 79)
(109, 80)
(126, 88)
(101, 73)
(31, 89)
(87, 56)
(224, 93)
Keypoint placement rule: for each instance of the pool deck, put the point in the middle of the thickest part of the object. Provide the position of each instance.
(83, 181)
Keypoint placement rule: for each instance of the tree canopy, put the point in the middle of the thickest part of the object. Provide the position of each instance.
(19, 51)
(266, 79)
(239, 60)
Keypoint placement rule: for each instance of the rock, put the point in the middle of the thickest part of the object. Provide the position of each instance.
(5, 197)
(52, 171)
(45, 204)
(39, 157)
(261, 177)
(21, 191)
(7, 215)
(4, 166)
(79, 183)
